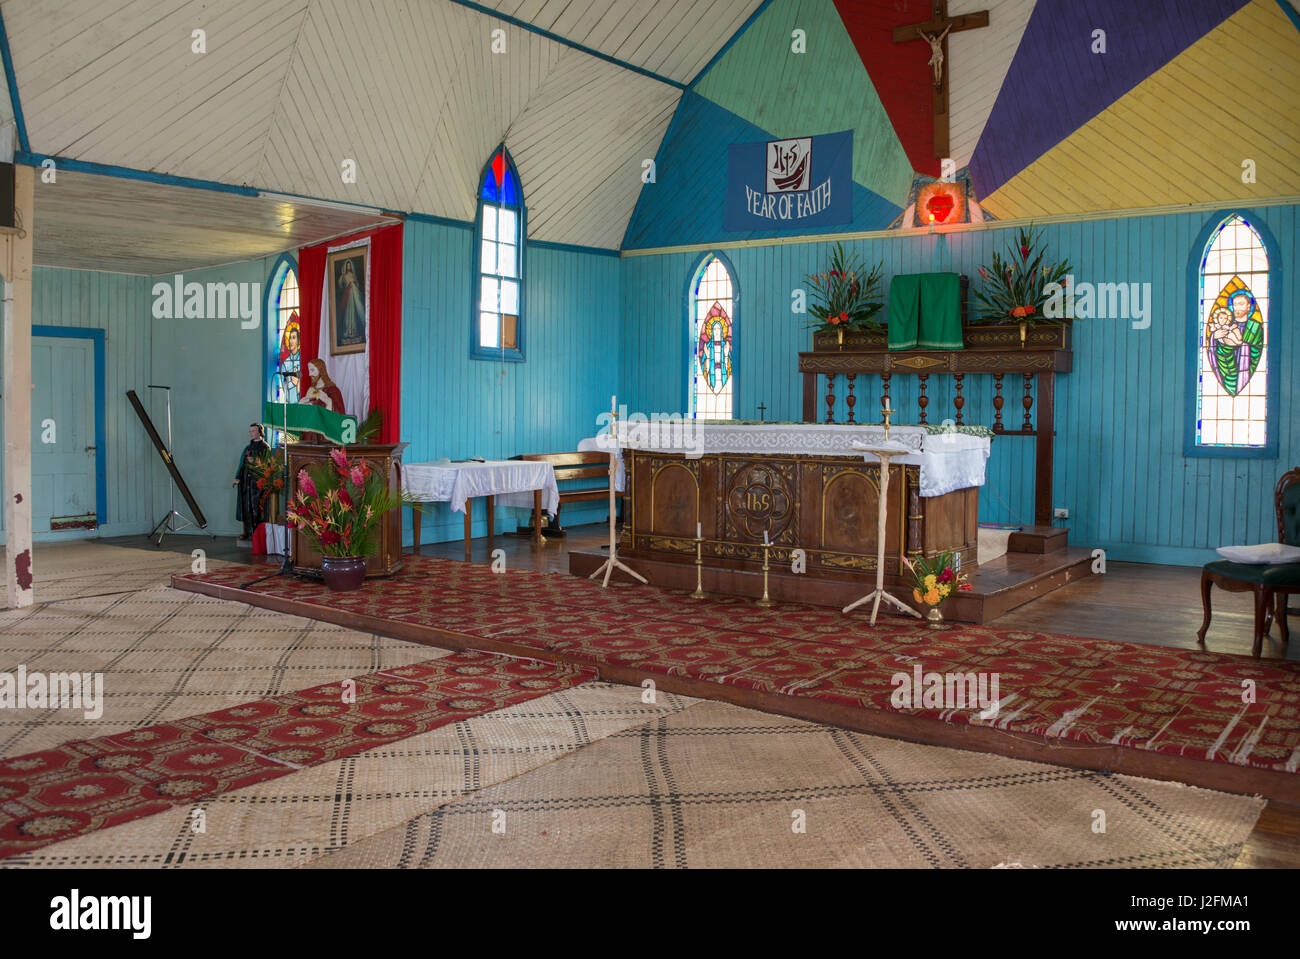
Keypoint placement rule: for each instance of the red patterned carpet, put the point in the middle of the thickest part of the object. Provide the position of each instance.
(92, 784)
(1131, 704)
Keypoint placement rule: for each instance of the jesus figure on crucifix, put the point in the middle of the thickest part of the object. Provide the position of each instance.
(936, 54)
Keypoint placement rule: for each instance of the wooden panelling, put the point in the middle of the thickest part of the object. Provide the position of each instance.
(119, 305)
(91, 222)
(673, 38)
(1119, 466)
(414, 94)
(458, 407)
(1152, 143)
(761, 80)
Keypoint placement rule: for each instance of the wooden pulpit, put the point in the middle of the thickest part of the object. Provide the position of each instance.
(385, 457)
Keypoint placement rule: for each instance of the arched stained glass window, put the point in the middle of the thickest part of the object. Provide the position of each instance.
(1233, 335)
(712, 374)
(497, 321)
(285, 335)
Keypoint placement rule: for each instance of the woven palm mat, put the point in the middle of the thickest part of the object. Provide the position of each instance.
(720, 786)
(316, 811)
(1185, 703)
(83, 568)
(87, 785)
(166, 655)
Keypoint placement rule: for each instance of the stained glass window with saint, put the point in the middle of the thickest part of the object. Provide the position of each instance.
(712, 314)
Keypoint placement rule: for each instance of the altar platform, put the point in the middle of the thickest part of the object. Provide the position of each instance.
(1022, 574)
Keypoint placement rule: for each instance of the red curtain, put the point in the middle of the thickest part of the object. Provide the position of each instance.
(385, 347)
(311, 278)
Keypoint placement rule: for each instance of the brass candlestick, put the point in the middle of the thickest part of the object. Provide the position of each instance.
(886, 412)
(699, 568)
(766, 600)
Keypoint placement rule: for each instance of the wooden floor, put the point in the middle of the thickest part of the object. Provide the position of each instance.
(1131, 602)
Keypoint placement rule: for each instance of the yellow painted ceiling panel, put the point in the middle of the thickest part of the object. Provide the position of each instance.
(1181, 136)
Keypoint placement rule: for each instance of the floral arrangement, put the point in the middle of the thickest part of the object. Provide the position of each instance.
(935, 579)
(268, 468)
(845, 297)
(1014, 288)
(340, 505)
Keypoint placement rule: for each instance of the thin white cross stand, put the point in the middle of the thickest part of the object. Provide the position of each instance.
(608, 566)
(884, 451)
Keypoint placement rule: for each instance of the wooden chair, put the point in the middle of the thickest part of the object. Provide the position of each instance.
(591, 464)
(1270, 584)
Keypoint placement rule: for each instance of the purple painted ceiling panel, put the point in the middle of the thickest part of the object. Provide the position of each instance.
(1056, 83)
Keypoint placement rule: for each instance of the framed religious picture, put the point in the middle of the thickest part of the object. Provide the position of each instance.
(347, 274)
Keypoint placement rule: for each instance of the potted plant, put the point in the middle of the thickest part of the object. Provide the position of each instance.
(340, 506)
(1015, 289)
(844, 299)
(933, 581)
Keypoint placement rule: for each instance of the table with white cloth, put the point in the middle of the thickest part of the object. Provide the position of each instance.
(807, 487)
(521, 483)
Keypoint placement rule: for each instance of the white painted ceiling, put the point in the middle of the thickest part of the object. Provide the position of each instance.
(410, 90)
(89, 222)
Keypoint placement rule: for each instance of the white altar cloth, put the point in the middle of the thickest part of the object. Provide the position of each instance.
(948, 460)
(510, 481)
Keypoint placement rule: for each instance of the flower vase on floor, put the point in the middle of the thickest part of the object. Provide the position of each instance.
(934, 579)
(934, 618)
(343, 573)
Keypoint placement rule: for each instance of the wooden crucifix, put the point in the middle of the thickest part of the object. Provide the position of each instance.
(935, 32)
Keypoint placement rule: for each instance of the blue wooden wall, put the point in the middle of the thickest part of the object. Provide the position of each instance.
(458, 407)
(1119, 466)
(119, 305)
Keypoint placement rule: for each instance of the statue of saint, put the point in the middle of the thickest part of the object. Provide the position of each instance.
(248, 501)
(321, 390)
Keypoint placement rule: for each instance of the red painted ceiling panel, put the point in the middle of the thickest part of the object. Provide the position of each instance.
(899, 71)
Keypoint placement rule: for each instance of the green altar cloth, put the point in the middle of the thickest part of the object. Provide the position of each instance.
(304, 418)
(925, 312)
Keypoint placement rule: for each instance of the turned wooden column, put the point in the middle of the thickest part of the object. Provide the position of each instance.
(922, 401)
(1044, 447)
(997, 404)
(850, 400)
(1028, 401)
(830, 397)
(958, 401)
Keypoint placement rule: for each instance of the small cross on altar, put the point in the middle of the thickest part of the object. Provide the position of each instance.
(935, 32)
(762, 411)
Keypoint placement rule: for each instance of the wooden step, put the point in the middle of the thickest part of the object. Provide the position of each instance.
(1038, 539)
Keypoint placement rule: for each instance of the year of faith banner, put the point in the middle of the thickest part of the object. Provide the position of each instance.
(790, 184)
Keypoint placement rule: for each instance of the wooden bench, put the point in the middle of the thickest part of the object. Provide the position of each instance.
(592, 464)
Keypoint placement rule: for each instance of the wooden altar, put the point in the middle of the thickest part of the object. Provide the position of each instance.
(824, 505)
(385, 457)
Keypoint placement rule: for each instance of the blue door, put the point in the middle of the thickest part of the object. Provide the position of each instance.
(63, 433)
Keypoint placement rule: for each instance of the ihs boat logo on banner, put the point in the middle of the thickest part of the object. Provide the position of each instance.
(796, 184)
(789, 165)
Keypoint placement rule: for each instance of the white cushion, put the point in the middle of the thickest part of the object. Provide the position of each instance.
(1265, 554)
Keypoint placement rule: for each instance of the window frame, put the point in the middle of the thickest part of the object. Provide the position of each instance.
(1273, 352)
(476, 350)
(688, 392)
(271, 320)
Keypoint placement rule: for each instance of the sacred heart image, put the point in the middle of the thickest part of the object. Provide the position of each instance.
(789, 165)
(1234, 336)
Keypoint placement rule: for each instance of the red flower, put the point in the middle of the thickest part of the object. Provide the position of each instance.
(261, 484)
(328, 537)
(305, 483)
(983, 273)
(1024, 252)
(833, 320)
(1029, 310)
(966, 588)
(339, 459)
(345, 499)
(844, 317)
(946, 575)
(357, 476)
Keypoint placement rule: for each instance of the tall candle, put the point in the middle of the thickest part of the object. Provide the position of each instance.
(765, 543)
(886, 402)
(699, 531)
